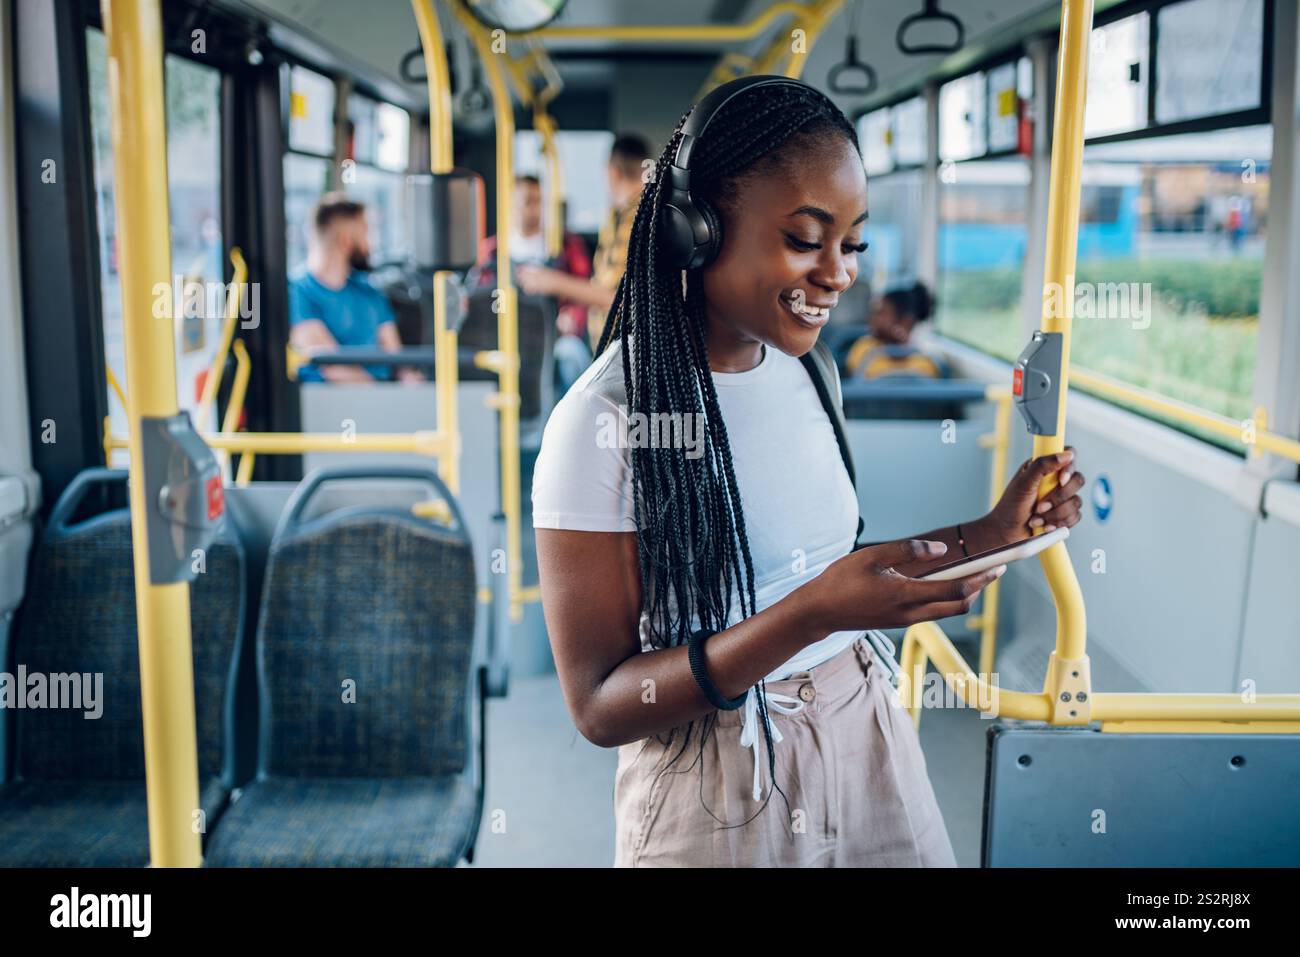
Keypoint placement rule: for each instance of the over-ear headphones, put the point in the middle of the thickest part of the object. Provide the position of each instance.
(690, 227)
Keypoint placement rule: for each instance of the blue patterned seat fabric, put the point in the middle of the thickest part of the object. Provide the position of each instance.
(78, 798)
(364, 652)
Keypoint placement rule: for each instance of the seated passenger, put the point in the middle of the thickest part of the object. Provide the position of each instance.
(888, 349)
(528, 248)
(332, 304)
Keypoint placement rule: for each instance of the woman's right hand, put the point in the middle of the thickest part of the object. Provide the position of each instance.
(862, 589)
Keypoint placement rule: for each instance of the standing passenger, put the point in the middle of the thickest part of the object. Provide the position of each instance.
(624, 172)
(705, 601)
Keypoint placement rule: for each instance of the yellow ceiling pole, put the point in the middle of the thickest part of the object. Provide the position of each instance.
(545, 126)
(1068, 679)
(504, 360)
(446, 370)
(812, 24)
(135, 86)
(517, 70)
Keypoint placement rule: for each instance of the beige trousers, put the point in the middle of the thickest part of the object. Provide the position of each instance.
(850, 764)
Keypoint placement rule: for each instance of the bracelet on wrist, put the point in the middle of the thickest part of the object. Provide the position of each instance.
(695, 653)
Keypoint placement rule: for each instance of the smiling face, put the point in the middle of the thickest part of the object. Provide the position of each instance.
(791, 238)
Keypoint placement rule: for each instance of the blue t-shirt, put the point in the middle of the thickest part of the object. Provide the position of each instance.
(352, 314)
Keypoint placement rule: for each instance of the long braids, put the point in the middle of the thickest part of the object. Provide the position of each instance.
(692, 541)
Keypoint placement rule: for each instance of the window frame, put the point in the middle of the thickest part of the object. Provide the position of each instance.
(1254, 116)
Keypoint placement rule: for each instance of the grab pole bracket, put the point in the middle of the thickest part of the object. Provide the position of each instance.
(1069, 685)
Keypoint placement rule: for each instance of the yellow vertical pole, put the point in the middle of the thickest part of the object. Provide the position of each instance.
(554, 217)
(135, 81)
(1067, 673)
(507, 361)
(446, 368)
(1000, 395)
(233, 299)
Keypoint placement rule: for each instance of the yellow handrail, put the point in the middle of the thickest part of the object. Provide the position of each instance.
(506, 400)
(233, 298)
(446, 368)
(1231, 429)
(794, 54)
(1068, 679)
(554, 220)
(517, 69)
(427, 442)
(245, 473)
(235, 407)
(518, 72)
(135, 70)
(998, 442)
(1265, 713)
(117, 386)
(238, 389)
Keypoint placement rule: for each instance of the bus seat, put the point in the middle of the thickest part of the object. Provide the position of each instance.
(365, 647)
(1074, 797)
(536, 350)
(78, 794)
(903, 397)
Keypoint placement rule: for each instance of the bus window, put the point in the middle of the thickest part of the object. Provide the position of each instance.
(1171, 254)
(311, 112)
(380, 149)
(197, 293)
(983, 215)
(583, 158)
(306, 178)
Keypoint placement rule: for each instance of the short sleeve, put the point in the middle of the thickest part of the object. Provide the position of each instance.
(301, 305)
(383, 309)
(583, 478)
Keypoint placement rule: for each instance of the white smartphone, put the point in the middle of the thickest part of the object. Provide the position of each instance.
(994, 557)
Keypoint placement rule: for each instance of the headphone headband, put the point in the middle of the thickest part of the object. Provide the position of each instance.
(702, 114)
(691, 227)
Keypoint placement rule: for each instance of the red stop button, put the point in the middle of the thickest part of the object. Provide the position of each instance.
(1017, 381)
(216, 498)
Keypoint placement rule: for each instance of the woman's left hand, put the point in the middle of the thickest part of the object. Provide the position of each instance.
(1019, 513)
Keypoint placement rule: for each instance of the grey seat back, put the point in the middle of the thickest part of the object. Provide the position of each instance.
(536, 346)
(365, 638)
(79, 621)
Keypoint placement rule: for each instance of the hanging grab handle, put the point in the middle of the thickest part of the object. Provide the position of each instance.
(851, 66)
(931, 12)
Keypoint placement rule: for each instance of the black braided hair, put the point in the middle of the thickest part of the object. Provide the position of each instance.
(692, 543)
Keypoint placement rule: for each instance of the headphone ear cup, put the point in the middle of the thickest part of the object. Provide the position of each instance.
(709, 249)
(675, 230)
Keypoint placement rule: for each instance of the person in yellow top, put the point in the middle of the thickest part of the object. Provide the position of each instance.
(888, 350)
(626, 168)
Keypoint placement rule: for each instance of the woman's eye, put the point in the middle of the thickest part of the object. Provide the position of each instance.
(801, 245)
(855, 248)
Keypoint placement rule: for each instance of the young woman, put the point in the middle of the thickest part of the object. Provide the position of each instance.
(705, 602)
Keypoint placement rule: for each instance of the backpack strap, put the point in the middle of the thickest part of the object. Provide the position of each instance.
(821, 368)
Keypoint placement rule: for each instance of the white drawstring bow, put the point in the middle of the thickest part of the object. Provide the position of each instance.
(749, 737)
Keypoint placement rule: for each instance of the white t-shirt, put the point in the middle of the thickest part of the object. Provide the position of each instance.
(528, 249)
(800, 508)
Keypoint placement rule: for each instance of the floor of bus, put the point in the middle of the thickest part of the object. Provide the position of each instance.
(550, 792)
